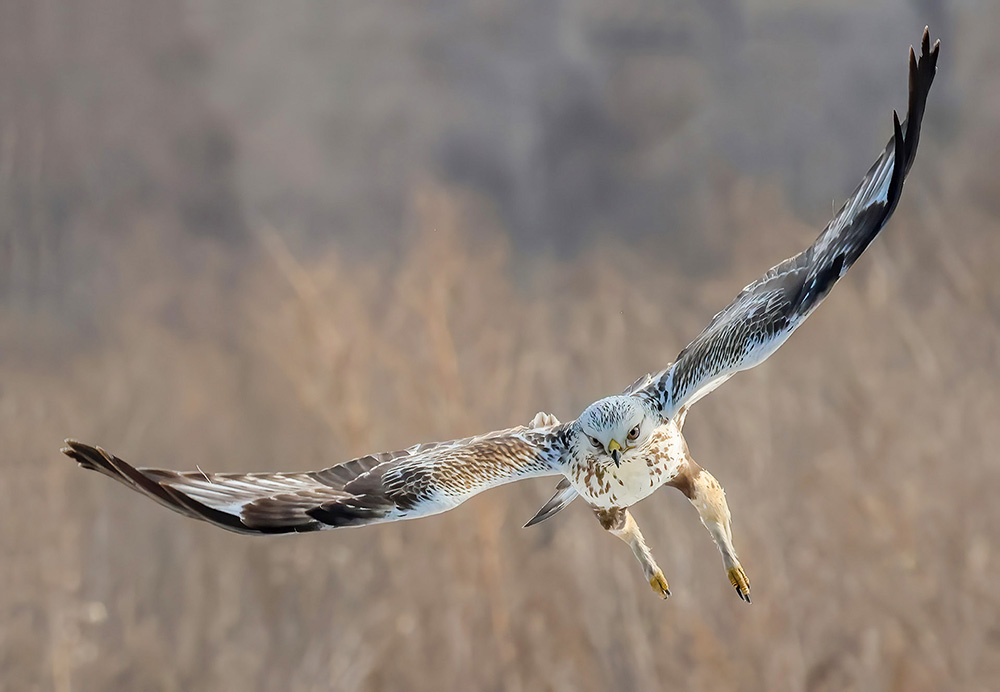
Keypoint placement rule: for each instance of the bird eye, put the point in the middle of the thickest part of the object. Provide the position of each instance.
(633, 433)
(594, 441)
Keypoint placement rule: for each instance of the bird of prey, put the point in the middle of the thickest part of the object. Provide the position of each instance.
(621, 448)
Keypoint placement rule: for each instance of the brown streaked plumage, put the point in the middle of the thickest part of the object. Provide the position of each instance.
(422, 480)
(621, 448)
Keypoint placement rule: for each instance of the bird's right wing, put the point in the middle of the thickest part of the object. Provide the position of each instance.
(419, 481)
(768, 310)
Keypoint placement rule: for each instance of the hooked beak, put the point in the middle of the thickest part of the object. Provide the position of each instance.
(615, 450)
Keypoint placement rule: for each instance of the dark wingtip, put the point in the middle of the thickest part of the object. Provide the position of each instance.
(901, 164)
(86, 456)
(96, 459)
(922, 72)
(901, 145)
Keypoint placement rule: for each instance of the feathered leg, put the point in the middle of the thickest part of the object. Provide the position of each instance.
(620, 523)
(708, 497)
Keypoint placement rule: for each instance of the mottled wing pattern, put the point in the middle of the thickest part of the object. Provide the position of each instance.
(767, 311)
(415, 482)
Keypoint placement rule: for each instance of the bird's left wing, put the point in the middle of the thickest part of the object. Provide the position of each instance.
(419, 481)
(767, 311)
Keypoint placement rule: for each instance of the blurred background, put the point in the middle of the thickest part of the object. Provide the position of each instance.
(245, 235)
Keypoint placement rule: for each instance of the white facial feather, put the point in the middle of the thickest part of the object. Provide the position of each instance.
(612, 418)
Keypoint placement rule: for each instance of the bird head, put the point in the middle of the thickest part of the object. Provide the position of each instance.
(615, 425)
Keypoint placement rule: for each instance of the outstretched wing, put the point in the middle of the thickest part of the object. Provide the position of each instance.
(767, 311)
(415, 482)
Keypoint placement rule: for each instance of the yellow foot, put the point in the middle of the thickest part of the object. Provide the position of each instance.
(659, 584)
(738, 578)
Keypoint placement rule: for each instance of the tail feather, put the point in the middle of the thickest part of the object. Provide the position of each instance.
(565, 494)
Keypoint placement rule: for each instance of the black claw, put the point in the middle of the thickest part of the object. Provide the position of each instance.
(739, 592)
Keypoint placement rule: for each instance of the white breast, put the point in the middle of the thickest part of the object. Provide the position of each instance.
(642, 470)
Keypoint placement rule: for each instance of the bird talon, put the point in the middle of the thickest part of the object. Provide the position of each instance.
(659, 584)
(738, 578)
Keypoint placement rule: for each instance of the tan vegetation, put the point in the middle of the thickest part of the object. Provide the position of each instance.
(860, 462)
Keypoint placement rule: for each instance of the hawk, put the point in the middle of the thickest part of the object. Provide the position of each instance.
(620, 450)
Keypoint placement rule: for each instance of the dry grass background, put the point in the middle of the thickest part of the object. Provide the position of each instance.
(860, 465)
(860, 461)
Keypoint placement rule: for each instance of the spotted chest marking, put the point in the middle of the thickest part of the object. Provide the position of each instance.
(642, 470)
